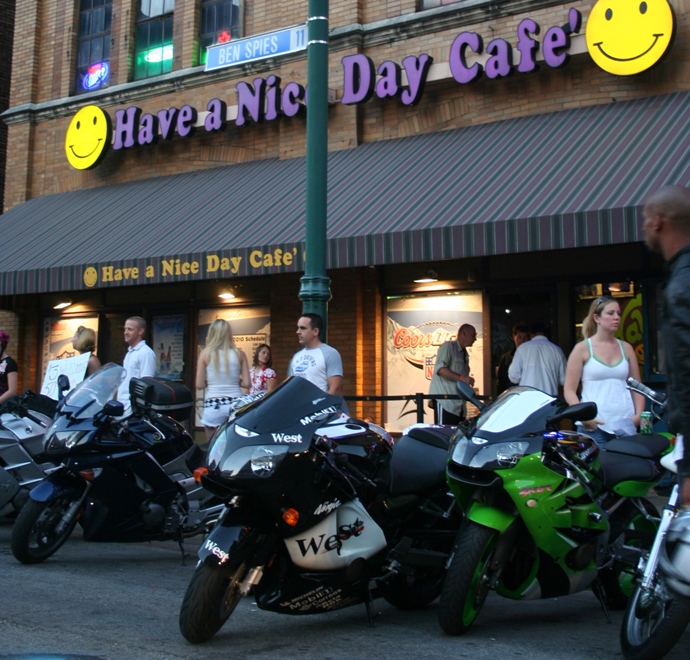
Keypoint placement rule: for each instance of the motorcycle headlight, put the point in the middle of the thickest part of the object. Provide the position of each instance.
(61, 441)
(257, 460)
(499, 456)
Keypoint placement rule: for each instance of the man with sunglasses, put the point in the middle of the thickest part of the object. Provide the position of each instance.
(667, 231)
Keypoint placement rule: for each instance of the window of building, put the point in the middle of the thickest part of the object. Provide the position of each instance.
(219, 24)
(93, 45)
(154, 38)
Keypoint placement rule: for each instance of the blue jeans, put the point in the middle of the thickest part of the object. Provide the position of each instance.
(600, 437)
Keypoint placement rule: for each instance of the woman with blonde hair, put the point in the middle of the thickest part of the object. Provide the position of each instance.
(84, 341)
(222, 369)
(603, 364)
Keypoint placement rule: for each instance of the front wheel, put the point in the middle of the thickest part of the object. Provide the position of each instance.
(212, 596)
(467, 580)
(653, 623)
(41, 529)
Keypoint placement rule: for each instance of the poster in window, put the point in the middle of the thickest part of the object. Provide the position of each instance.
(168, 345)
(416, 327)
(57, 338)
(251, 326)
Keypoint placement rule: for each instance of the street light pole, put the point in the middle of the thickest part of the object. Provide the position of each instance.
(314, 290)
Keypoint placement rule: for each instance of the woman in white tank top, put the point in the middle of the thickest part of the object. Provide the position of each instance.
(603, 364)
(222, 370)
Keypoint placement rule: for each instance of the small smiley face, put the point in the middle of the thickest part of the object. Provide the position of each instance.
(90, 276)
(625, 37)
(88, 137)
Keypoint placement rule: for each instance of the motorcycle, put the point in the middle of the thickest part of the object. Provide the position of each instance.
(323, 512)
(123, 479)
(23, 464)
(547, 513)
(654, 619)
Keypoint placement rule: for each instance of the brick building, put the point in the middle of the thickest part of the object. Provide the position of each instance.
(519, 190)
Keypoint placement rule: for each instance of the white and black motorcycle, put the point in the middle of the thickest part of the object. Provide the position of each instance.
(655, 617)
(322, 512)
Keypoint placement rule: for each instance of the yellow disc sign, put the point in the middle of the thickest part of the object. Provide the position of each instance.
(625, 37)
(88, 137)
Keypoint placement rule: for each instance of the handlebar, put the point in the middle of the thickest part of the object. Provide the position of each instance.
(637, 386)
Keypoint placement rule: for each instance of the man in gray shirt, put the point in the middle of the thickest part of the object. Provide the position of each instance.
(319, 363)
(539, 363)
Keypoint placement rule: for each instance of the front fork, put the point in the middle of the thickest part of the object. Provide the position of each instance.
(72, 511)
(652, 561)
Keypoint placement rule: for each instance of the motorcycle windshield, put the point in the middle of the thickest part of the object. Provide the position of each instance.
(95, 391)
(517, 407)
(297, 402)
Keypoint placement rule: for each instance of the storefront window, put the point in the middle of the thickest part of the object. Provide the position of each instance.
(219, 24)
(93, 45)
(154, 38)
(430, 4)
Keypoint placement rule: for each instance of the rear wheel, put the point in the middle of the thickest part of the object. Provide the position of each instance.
(618, 580)
(467, 580)
(653, 623)
(212, 596)
(40, 530)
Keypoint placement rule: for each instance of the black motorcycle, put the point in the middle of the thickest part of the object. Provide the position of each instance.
(322, 512)
(23, 463)
(126, 479)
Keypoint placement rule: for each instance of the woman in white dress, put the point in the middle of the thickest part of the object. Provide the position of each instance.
(603, 364)
(223, 371)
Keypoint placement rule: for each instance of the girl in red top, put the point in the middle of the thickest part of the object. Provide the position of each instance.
(262, 376)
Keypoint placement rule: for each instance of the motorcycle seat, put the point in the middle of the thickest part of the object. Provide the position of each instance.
(644, 446)
(436, 436)
(617, 468)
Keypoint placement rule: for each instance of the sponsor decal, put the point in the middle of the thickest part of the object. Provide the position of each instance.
(214, 549)
(305, 421)
(319, 400)
(333, 542)
(285, 437)
(524, 492)
(327, 507)
(321, 598)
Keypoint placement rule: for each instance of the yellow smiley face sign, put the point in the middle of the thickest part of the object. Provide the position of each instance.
(625, 37)
(88, 137)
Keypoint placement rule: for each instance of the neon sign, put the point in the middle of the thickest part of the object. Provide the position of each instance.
(96, 75)
(159, 54)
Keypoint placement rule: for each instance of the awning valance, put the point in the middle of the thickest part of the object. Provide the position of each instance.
(560, 180)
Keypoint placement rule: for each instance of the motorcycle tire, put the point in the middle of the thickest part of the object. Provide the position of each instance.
(415, 591)
(466, 586)
(211, 597)
(33, 535)
(652, 625)
(618, 580)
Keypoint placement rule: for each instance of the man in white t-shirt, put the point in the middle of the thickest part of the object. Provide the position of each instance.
(319, 363)
(539, 363)
(139, 361)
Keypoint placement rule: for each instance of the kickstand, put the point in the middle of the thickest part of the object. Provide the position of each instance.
(599, 593)
(370, 612)
(184, 554)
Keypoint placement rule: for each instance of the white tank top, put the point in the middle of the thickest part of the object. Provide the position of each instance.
(221, 382)
(605, 385)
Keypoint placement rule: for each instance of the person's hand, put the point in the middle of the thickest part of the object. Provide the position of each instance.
(467, 379)
(636, 420)
(592, 424)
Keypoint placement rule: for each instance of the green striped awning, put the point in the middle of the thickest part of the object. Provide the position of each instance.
(560, 180)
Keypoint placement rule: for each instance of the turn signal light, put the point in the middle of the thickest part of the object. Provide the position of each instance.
(199, 472)
(91, 473)
(291, 516)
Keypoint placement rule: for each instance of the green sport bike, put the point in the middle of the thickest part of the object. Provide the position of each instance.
(547, 513)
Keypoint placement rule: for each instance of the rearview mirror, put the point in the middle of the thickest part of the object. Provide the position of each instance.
(114, 408)
(63, 383)
(467, 392)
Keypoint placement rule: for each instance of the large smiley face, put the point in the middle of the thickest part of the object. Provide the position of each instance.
(88, 137)
(625, 37)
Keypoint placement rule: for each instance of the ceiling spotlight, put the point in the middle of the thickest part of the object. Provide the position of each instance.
(62, 304)
(431, 276)
(226, 295)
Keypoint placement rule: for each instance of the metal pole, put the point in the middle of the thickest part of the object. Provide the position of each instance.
(314, 290)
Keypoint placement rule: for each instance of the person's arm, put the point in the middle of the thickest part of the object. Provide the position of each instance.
(271, 380)
(12, 379)
(245, 381)
(200, 381)
(634, 371)
(148, 363)
(515, 368)
(93, 365)
(335, 385)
